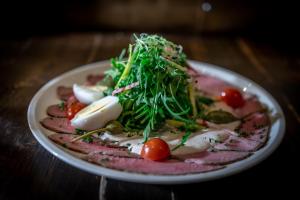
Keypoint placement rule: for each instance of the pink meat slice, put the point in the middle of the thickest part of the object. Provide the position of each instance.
(96, 145)
(253, 134)
(192, 72)
(210, 85)
(93, 79)
(60, 125)
(251, 105)
(64, 93)
(116, 152)
(150, 167)
(56, 111)
(256, 127)
(216, 157)
(234, 143)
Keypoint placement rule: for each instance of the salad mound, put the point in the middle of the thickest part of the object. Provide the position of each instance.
(161, 91)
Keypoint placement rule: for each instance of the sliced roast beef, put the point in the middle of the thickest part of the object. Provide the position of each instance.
(60, 125)
(150, 167)
(116, 152)
(252, 105)
(93, 79)
(255, 127)
(96, 145)
(234, 143)
(64, 93)
(210, 85)
(56, 111)
(215, 157)
(192, 72)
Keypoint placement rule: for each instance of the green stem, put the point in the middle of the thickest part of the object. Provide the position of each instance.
(89, 133)
(174, 64)
(127, 67)
(192, 99)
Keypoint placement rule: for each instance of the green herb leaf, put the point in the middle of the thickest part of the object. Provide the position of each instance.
(205, 100)
(183, 140)
(79, 131)
(87, 139)
(61, 105)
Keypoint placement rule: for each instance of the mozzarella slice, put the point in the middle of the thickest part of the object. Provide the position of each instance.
(97, 114)
(88, 94)
(199, 142)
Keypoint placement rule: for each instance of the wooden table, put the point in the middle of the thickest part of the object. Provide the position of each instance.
(27, 170)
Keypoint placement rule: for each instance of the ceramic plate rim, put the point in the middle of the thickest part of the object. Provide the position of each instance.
(148, 178)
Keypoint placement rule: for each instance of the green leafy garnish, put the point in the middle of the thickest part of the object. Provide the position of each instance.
(61, 105)
(205, 100)
(159, 66)
(220, 117)
(88, 139)
(183, 140)
(79, 131)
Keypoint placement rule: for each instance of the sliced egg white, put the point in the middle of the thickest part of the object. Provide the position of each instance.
(88, 94)
(97, 114)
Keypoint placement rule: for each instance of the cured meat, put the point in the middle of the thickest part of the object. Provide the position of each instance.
(216, 158)
(150, 167)
(56, 111)
(128, 87)
(234, 143)
(64, 93)
(93, 79)
(255, 127)
(210, 85)
(192, 72)
(60, 125)
(116, 152)
(253, 134)
(251, 105)
(86, 147)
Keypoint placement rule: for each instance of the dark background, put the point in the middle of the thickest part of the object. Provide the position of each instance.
(272, 18)
(41, 39)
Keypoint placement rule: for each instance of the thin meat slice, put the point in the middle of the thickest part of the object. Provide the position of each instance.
(255, 127)
(210, 85)
(150, 167)
(56, 111)
(93, 79)
(252, 105)
(64, 93)
(234, 143)
(116, 152)
(60, 125)
(253, 134)
(192, 72)
(216, 157)
(96, 145)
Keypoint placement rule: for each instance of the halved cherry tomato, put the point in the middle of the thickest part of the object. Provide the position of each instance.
(155, 149)
(232, 97)
(73, 107)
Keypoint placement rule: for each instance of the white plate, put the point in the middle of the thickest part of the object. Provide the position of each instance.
(47, 96)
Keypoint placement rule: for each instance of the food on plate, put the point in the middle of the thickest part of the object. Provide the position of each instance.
(153, 113)
(97, 114)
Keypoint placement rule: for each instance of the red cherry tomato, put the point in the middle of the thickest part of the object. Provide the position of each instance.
(155, 149)
(232, 97)
(73, 107)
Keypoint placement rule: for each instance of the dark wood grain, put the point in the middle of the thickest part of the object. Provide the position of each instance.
(29, 63)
